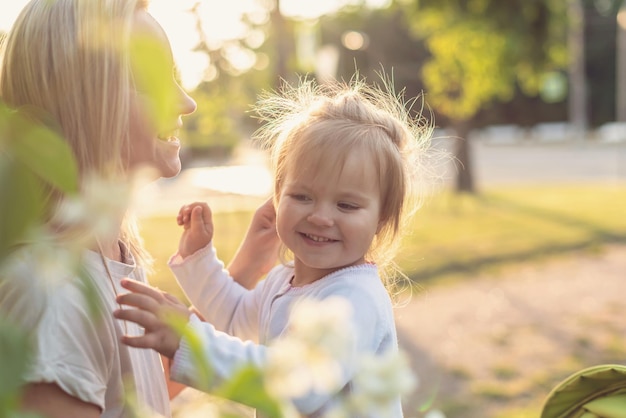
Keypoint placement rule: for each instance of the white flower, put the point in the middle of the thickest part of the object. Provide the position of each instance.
(54, 264)
(379, 381)
(338, 411)
(98, 209)
(310, 356)
(325, 324)
(435, 413)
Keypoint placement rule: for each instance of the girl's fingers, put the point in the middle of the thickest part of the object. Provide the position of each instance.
(207, 216)
(184, 213)
(181, 215)
(197, 217)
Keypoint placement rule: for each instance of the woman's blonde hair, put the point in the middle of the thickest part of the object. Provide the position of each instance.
(320, 125)
(70, 60)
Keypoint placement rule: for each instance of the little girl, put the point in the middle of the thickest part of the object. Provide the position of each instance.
(343, 158)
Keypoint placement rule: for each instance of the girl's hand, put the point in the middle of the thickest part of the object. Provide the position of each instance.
(155, 312)
(197, 223)
(258, 252)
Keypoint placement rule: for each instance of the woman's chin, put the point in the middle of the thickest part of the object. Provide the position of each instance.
(147, 173)
(168, 168)
(172, 170)
(168, 162)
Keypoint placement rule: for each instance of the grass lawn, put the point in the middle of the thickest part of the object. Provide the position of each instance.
(457, 236)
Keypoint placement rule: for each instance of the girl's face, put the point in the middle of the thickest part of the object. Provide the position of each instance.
(329, 220)
(154, 125)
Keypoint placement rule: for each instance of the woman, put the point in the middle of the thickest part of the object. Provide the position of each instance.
(103, 72)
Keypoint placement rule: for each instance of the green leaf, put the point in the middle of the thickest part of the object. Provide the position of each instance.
(153, 77)
(91, 295)
(205, 371)
(21, 204)
(48, 155)
(247, 387)
(612, 406)
(15, 348)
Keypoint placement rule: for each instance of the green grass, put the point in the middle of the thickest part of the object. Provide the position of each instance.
(463, 235)
(459, 236)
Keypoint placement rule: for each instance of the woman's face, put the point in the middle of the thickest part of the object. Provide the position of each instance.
(157, 103)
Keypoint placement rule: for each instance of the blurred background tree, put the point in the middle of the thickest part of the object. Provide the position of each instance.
(477, 62)
(480, 52)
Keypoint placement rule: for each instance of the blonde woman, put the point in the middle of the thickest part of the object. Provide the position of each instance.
(101, 73)
(344, 159)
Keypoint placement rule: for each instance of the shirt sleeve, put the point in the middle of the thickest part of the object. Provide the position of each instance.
(223, 354)
(72, 348)
(228, 306)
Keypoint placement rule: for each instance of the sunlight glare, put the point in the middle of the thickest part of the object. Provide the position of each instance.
(221, 22)
(248, 180)
(315, 9)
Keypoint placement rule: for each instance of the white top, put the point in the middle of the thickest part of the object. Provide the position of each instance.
(261, 315)
(76, 348)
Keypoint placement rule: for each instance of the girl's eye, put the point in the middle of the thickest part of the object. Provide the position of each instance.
(347, 206)
(300, 197)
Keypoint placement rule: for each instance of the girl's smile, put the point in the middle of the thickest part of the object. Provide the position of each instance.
(318, 239)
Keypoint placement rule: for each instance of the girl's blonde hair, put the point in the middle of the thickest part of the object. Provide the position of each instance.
(70, 59)
(320, 125)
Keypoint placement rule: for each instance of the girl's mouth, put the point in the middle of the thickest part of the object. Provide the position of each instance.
(318, 238)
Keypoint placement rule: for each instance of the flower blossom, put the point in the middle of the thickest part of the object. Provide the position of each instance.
(309, 357)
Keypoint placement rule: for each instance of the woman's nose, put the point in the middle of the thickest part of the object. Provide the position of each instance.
(187, 104)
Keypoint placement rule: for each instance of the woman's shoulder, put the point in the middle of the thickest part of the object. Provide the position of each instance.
(36, 283)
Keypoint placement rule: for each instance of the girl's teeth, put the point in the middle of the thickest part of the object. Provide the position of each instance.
(318, 239)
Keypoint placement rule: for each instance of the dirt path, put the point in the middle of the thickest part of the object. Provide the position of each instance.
(494, 346)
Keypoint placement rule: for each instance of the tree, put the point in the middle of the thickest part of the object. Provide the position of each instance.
(228, 89)
(577, 79)
(481, 50)
(621, 64)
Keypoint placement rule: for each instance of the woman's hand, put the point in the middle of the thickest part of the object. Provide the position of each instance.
(156, 312)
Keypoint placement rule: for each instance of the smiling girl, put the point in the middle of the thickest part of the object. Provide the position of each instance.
(343, 157)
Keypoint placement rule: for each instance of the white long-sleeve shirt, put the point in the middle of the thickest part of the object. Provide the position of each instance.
(258, 316)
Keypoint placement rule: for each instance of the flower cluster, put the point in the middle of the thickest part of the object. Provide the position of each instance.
(309, 358)
(97, 209)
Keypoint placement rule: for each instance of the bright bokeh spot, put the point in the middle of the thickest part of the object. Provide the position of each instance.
(246, 180)
(220, 21)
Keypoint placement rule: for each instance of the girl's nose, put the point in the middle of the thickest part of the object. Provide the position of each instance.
(320, 217)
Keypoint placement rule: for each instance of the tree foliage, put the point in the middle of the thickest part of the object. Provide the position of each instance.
(481, 50)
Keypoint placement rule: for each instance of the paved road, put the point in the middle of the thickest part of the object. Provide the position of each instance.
(532, 162)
